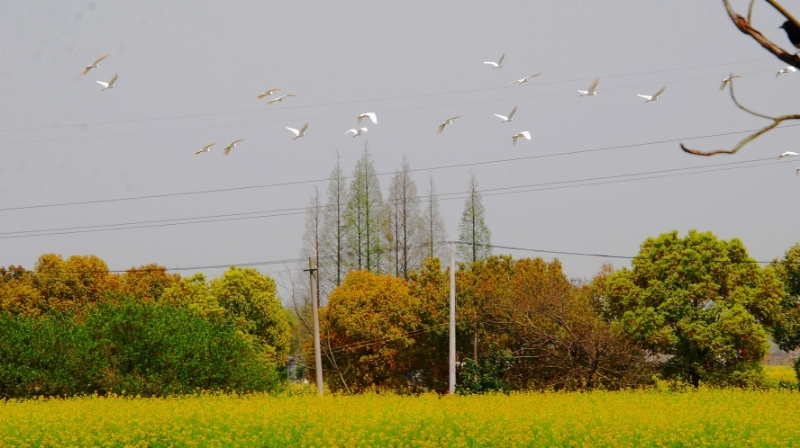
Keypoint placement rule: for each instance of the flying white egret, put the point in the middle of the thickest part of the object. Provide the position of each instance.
(446, 122)
(370, 115)
(269, 92)
(510, 116)
(356, 132)
(109, 84)
(525, 79)
(785, 71)
(300, 133)
(654, 97)
(499, 63)
(231, 146)
(206, 148)
(94, 64)
(525, 134)
(787, 154)
(726, 81)
(592, 88)
(280, 98)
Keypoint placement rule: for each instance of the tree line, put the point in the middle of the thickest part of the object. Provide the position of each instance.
(691, 310)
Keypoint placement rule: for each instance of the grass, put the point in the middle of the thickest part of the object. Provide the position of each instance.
(701, 418)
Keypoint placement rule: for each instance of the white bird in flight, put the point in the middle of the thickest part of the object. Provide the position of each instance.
(300, 133)
(592, 87)
(726, 81)
(510, 116)
(370, 115)
(499, 63)
(280, 98)
(787, 154)
(525, 79)
(269, 92)
(94, 64)
(356, 132)
(206, 148)
(524, 134)
(231, 146)
(654, 97)
(110, 84)
(446, 122)
(785, 71)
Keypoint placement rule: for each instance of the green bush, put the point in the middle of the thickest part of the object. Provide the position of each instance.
(132, 348)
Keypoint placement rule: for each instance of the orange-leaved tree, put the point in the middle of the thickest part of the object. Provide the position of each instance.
(367, 332)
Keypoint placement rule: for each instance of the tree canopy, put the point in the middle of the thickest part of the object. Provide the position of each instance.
(698, 303)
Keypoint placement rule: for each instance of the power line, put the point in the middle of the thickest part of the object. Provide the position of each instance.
(597, 255)
(371, 100)
(441, 167)
(213, 266)
(162, 131)
(298, 211)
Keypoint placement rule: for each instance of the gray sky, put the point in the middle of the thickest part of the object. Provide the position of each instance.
(189, 72)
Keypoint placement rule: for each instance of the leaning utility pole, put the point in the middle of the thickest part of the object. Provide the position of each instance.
(312, 271)
(452, 389)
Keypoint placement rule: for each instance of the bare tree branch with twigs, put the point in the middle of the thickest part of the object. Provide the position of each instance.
(744, 25)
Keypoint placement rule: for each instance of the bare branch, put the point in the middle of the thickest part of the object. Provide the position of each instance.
(750, 12)
(775, 122)
(744, 27)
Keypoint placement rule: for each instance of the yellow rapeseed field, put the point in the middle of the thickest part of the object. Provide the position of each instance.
(598, 419)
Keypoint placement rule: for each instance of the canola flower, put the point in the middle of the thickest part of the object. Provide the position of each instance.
(599, 419)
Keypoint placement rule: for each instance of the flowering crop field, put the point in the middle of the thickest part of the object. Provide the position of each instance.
(703, 418)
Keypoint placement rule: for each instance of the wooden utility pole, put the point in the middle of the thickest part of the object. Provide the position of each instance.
(452, 372)
(312, 271)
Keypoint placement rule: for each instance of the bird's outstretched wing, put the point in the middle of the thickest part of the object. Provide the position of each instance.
(351, 130)
(113, 79)
(372, 117)
(724, 83)
(525, 134)
(295, 131)
(441, 127)
(593, 85)
(494, 64)
(513, 111)
(648, 98)
(535, 75)
(267, 92)
(104, 84)
(89, 67)
(660, 91)
(500, 61)
(303, 129)
(456, 117)
(231, 146)
(501, 117)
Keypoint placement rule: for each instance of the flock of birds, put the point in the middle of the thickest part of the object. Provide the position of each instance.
(298, 133)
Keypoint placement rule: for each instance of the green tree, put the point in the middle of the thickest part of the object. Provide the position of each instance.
(433, 224)
(473, 230)
(365, 219)
(786, 331)
(697, 302)
(251, 298)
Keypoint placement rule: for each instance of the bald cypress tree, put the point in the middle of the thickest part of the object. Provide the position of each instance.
(473, 229)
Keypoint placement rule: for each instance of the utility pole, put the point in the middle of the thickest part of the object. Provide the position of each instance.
(452, 389)
(312, 271)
